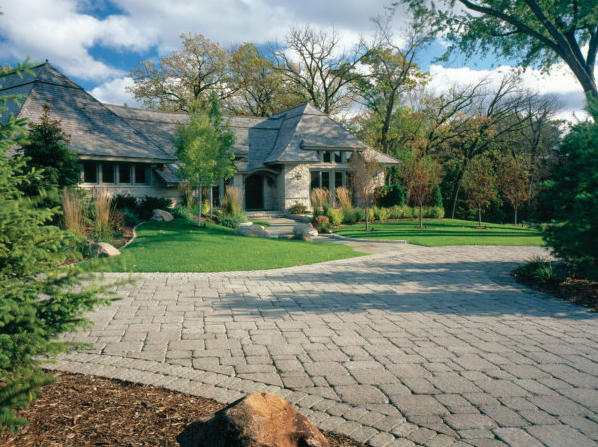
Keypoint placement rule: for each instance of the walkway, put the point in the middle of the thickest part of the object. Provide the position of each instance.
(419, 346)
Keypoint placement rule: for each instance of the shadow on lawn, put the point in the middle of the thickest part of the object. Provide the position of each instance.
(460, 288)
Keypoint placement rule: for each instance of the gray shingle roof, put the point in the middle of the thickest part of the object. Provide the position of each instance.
(104, 131)
(95, 131)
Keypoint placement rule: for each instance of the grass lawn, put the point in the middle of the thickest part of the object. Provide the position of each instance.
(179, 246)
(443, 232)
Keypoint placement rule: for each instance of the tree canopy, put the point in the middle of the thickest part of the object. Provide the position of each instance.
(537, 33)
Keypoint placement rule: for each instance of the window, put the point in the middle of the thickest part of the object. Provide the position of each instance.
(124, 173)
(325, 180)
(338, 179)
(90, 172)
(327, 157)
(108, 173)
(338, 157)
(315, 180)
(140, 174)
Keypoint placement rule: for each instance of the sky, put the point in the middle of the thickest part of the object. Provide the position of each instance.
(98, 42)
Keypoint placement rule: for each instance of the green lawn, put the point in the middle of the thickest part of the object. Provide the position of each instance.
(446, 232)
(179, 246)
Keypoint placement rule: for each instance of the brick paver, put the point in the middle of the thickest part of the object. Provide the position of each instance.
(419, 346)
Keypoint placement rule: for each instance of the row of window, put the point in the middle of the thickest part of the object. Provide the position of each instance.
(326, 179)
(334, 156)
(127, 173)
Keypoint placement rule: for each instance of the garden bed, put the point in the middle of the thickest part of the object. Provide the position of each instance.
(82, 410)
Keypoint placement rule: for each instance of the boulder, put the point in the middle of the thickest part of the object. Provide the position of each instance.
(257, 420)
(304, 230)
(303, 237)
(244, 228)
(257, 231)
(161, 215)
(103, 250)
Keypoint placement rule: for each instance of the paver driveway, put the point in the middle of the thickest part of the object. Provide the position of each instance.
(426, 346)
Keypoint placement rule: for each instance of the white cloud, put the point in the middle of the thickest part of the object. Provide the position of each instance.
(113, 92)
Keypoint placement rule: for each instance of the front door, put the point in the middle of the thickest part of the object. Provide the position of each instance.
(254, 192)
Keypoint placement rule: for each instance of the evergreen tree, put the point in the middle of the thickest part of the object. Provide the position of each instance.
(31, 252)
(573, 195)
(47, 150)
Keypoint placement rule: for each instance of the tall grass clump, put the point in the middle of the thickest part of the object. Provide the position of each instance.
(343, 197)
(103, 211)
(232, 208)
(319, 197)
(73, 210)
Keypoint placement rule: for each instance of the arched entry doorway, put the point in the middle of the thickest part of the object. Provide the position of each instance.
(254, 192)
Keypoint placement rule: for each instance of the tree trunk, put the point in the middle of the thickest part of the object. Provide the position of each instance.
(480, 216)
(421, 211)
(455, 194)
(199, 207)
(211, 199)
(515, 216)
(366, 219)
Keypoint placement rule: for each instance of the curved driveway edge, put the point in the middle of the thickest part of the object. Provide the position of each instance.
(419, 346)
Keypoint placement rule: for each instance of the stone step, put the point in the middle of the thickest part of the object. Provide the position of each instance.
(264, 214)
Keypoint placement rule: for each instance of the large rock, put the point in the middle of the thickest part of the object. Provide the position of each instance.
(103, 250)
(244, 228)
(258, 231)
(303, 230)
(161, 215)
(257, 420)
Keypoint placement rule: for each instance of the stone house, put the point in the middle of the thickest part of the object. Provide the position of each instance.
(129, 151)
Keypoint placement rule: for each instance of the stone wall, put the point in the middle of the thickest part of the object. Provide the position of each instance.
(294, 186)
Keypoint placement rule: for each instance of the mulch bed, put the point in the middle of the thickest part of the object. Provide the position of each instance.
(574, 290)
(81, 410)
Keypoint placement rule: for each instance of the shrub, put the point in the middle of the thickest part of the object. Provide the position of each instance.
(335, 217)
(408, 212)
(182, 212)
(230, 222)
(130, 217)
(297, 208)
(371, 216)
(122, 201)
(73, 210)
(438, 198)
(205, 207)
(349, 215)
(381, 213)
(322, 224)
(359, 215)
(117, 223)
(343, 197)
(391, 196)
(538, 270)
(149, 204)
(434, 212)
(396, 212)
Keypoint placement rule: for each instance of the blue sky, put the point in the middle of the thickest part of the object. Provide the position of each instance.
(98, 42)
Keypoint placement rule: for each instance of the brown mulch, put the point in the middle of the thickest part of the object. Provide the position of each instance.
(80, 410)
(578, 291)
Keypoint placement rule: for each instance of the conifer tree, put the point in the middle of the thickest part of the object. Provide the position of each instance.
(39, 300)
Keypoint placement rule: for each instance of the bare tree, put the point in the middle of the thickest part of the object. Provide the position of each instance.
(364, 170)
(316, 64)
(421, 176)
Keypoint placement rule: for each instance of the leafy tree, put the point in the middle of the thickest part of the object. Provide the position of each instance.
(513, 180)
(421, 176)
(260, 89)
(184, 77)
(203, 147)
(318, 69)
(573, 195)
(480, 184)
(48, 150)
(364, 171)
(537, 32)
(31, 253)
(391, 73)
